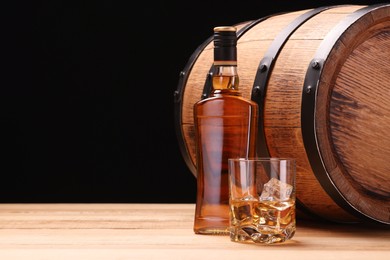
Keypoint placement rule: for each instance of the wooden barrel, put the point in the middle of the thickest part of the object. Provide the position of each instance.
(321, 78)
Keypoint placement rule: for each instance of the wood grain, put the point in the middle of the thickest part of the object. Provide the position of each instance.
(163, 231)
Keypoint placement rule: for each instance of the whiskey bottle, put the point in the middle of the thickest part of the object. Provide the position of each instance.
(225, 127)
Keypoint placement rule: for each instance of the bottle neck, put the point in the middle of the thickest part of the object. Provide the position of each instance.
(225, 79)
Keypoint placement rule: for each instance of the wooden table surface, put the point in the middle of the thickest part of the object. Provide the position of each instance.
(164, 231)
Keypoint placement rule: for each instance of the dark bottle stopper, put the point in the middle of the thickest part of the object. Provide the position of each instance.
(225, 42)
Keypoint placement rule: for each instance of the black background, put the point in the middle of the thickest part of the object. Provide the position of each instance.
(86, 103)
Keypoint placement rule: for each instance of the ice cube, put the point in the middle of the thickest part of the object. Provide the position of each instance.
(275, 190)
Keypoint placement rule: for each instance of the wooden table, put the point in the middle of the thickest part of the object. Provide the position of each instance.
(164, 231)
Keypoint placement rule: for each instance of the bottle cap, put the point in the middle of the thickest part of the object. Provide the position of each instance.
(225, 42)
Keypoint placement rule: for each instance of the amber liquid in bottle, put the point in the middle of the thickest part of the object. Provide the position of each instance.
(225, 127)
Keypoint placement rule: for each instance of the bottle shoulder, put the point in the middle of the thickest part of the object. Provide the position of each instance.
(227, 99)
(229, 105)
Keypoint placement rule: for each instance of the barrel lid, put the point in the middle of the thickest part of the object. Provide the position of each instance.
(352, 115)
